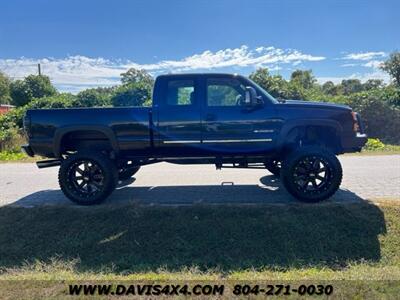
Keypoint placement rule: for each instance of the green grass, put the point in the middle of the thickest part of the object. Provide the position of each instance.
(229, 240)
(256, 243)
(15, 156)
(386, 150)
(12, 155)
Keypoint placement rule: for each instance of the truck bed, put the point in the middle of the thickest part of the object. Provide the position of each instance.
(129, 127)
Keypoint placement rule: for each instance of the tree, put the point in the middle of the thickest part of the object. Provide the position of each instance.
(273, 84)
(350, 86)
(4, 89)
(135, 76)
(40, 86)
(329, 88)
(372, 84)
(380, 118)
(20, 93)
(62, 100)
(131, 94)
(392, 66)
(94, 97)
(304, 77)
(33, 86)
(295, 90)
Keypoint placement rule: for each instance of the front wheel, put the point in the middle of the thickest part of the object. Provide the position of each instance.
(311, 174)
(87, 178)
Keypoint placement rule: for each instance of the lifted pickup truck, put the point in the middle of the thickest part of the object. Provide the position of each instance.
(222, 119)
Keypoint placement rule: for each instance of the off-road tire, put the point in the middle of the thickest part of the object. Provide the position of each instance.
(301, 166)
(101, 174)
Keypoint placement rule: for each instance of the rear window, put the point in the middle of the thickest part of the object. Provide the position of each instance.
(180, 92)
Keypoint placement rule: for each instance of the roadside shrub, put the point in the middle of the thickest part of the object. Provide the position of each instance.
(374, 144)
(63, 100)
(9, 155)
(381, 119)
(7, 135)
(5, 81)
(12, 119)
(390, 94)
(94, 98)
(131, 94)
(11, 139)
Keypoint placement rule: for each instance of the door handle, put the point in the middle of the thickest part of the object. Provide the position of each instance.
(210, 117)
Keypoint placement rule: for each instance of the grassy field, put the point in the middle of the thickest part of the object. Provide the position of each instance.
(386, 150)
(15, 156)
(268, 242)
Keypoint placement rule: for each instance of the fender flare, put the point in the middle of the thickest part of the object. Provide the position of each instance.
(291, 124)
(61, 132)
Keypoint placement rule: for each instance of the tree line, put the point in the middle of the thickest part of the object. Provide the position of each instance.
(377, 102)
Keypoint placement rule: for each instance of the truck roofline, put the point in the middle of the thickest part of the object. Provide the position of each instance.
(200, 74)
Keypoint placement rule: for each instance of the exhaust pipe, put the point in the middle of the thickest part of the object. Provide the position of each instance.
(48, 163)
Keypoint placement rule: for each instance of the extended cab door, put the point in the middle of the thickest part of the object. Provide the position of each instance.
(231, 126)
(177, 115)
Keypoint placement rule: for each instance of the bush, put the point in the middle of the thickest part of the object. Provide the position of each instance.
(13, 118)
(381, 119)
(94, 98)
(131, 94)
(7, 138)
(11, 135)
(4, 89)
(9, 155)
(374, 144)
(64, 100)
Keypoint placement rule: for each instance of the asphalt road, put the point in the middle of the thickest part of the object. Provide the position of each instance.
(365, 177)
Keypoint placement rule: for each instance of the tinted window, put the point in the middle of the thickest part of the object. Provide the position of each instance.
(180, 92)
(225, 92)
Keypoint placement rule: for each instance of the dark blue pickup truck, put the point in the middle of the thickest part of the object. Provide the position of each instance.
(221, 119)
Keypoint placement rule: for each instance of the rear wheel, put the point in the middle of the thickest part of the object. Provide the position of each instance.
(87, 178)
(311, 174)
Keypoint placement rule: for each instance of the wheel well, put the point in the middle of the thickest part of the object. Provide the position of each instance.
(324, 136)
(84, 139)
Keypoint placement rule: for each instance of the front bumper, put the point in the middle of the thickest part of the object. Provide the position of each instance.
(355, 143)
(28, 150)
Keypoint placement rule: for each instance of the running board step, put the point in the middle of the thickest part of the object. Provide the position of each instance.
(240, 166)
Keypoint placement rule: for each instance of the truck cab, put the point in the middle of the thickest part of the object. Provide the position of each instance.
(212, 114)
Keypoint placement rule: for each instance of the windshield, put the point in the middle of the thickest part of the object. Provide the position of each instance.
(261, 90)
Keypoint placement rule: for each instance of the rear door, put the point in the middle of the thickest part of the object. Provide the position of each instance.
(178, 128)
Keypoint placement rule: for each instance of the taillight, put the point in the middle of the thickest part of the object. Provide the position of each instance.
(356, 126)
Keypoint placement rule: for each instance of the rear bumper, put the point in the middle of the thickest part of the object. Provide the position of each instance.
(27, 150)
(355, 143)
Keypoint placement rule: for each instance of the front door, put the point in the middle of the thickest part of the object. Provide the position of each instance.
(232, 127)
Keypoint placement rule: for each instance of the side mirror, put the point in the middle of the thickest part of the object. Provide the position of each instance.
(251, 98)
